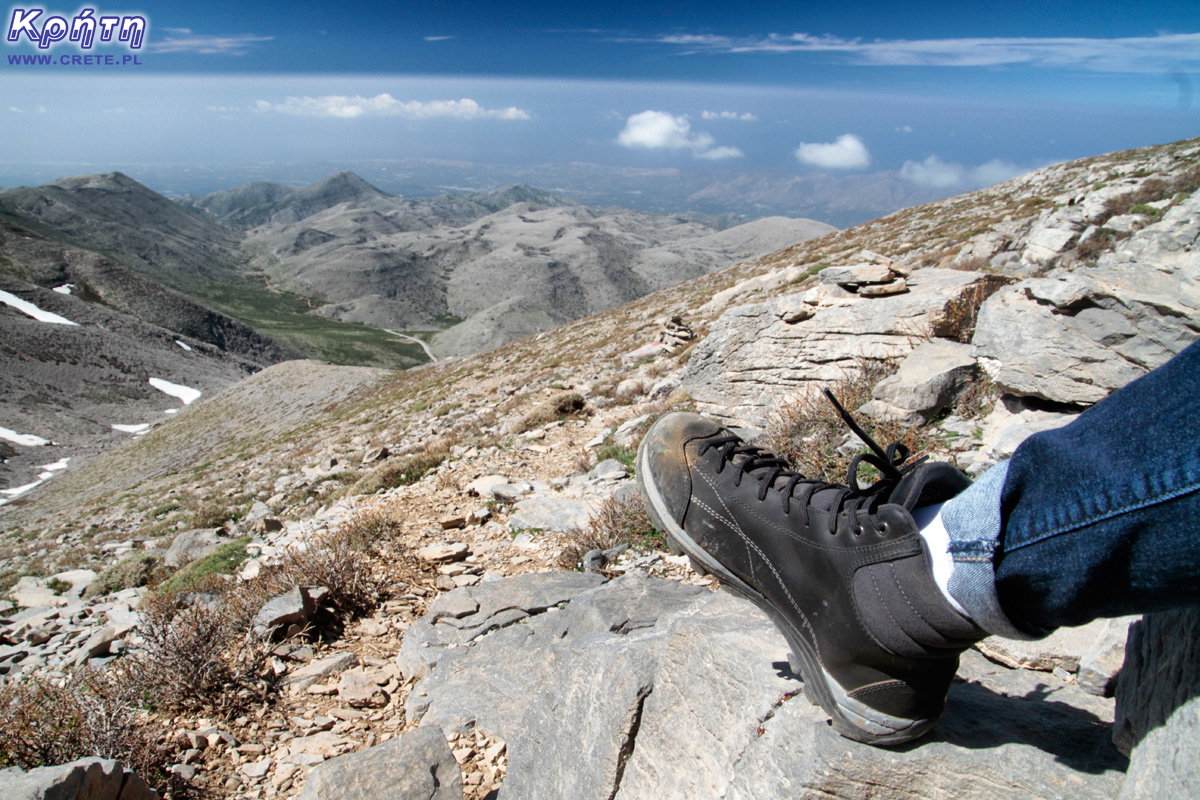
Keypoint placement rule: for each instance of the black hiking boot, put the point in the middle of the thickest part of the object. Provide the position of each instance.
(841, 570)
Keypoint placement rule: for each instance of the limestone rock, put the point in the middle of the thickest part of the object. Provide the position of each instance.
(754, 359)
(84, 779)
(444, 552)
(314, 671)
(458, 617)
(186, 547)
(417, 765)
(360, 690)
(640, 688)
(1074, 337)
(1158, 706)
(280, 613)
(549, 513)
(927, 382)
(856, 275)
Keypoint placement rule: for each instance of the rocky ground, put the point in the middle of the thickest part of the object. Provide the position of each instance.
(548, 682)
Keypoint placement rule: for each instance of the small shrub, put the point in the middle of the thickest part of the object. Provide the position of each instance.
(128, 573)
(58, 585)
(401, 471)
(342, 562)
(1101, 241)
(616, 522)
(560, 406)
(199, 657)
(209, 513)
(225, 560)
(979, 398)
(90, 713)
(1148, 210)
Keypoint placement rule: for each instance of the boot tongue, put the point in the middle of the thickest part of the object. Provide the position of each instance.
(931, 482)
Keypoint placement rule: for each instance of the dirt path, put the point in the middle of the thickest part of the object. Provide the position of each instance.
(405, 336)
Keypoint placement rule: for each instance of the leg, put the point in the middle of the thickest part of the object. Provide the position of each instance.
(1098, 518)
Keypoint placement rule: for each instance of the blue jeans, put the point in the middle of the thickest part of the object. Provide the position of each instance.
(1099, 518)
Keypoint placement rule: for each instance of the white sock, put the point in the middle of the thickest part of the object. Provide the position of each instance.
(937, 549)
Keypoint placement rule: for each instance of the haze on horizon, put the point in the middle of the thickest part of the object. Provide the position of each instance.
(949, 100)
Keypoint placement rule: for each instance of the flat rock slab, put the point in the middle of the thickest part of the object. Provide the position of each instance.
(87, 778)
(417, 765)
(549, 513)
(758, 355)
(311, 673)
(458, 617)
(642, 687)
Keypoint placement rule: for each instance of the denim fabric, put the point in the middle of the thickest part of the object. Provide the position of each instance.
(1099, 518)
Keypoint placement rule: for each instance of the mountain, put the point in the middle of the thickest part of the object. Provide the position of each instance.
(1032, 299)
(507, 263)
(69, 384)
(117, 216)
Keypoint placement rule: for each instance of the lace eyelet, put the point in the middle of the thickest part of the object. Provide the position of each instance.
(858, 530)
(883, 528)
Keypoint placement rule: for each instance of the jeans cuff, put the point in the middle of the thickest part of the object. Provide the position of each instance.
(973, 521)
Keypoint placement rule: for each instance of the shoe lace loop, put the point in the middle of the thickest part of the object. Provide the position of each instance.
(851, 497)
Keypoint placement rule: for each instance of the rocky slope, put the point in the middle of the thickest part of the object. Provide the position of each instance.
(68, 383)
(638, 681)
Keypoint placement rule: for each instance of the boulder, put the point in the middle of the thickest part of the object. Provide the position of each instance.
(754, 359)
(186, 547)
(84, 779)
(280, 613)
(1074, 337)
(928, 381)
(1158, 706)
(417, 765)
(549, 513)
(643, 687)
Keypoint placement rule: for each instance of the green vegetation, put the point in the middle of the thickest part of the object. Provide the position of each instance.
(626, 455)
(291, 319)
(225, 560)
(58, 585)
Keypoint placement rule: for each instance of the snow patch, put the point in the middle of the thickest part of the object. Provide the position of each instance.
(171, 411)
(185, 393)
(57, 465)
(135, 429)
(183, 345)
(23, 439)
(26, 307)
(17, 491)
(65, 288)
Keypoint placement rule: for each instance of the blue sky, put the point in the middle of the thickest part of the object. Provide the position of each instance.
(948, 94)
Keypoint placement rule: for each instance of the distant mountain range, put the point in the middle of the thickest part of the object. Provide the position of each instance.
(726, 196)
(201, 292)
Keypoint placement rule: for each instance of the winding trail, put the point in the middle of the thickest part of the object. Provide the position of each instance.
(405, 336)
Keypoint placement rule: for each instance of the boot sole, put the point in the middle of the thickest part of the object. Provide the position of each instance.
(850, 717)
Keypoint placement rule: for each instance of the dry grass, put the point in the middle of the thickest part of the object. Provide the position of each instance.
(402, 471)
(809, 433)
(616, 522)
(560, 406)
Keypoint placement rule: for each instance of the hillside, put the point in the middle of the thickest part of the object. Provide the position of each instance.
(1043, 294)
(507, 263)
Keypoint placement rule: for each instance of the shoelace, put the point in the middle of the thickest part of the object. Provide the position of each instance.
(851, 497)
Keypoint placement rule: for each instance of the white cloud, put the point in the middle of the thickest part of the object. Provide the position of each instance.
(384, 105)
(933, 172)
(848, 152)
(904, 129)
(1130, 54)
(728, 115)
(183, 40)
(437, 38)
(658, 130)
(943, 175)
